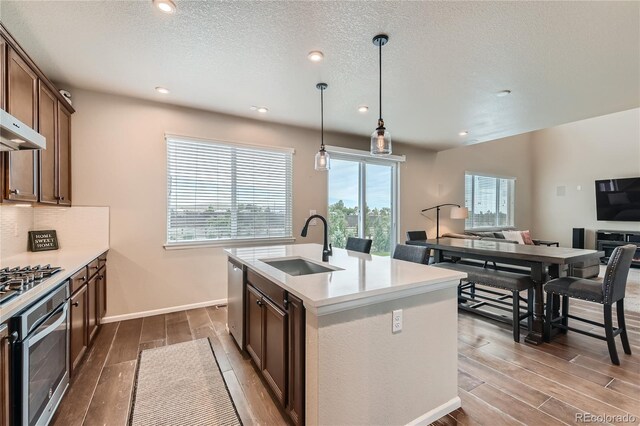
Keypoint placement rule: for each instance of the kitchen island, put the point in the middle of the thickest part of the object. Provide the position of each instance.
(357, 369)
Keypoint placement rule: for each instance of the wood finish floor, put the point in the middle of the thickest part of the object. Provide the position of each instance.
(500, 382)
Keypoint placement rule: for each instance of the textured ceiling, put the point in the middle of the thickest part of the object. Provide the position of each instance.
(444, 63)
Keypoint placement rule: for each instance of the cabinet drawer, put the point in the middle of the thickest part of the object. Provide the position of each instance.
(78, 279)
(102, 260)
(269, 289)
(93, 267)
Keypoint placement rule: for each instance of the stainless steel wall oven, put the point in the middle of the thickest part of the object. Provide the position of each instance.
(41, 360)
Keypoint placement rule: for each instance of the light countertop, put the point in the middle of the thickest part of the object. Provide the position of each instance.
(69, 259)
(362, 279)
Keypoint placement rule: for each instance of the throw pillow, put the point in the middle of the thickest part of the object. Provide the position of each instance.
(526, 237)
(513, 236)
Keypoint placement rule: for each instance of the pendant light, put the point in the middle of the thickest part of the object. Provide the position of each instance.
(380, 138)
(322, 157)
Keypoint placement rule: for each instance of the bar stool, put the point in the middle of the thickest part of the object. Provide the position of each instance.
(610, 291)
(363, 245)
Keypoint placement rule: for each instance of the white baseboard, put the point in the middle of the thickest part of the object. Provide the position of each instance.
(116, 318)
(436, 413)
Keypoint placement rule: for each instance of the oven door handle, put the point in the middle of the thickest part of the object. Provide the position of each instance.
(61, 313)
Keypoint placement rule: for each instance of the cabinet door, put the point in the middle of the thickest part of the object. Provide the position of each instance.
(92, 308)
(253, 321)
(274, 357)
(64, 155)
(47, 127)
(102, 294)
(3, 72)
(296, 379)
(22, 100)
(78, 313)
(4, 378)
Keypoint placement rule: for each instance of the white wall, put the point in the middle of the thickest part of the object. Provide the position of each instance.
(573, 156)
(509, 157)
(119, 160)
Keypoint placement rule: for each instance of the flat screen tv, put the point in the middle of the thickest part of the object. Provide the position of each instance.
(618, 199)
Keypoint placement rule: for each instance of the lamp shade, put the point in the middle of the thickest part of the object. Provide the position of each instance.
(459, 213)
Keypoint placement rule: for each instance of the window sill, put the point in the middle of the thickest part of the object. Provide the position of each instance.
(228, 243)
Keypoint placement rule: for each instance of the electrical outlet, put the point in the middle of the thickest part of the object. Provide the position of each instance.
(313, 222)
(396, 321)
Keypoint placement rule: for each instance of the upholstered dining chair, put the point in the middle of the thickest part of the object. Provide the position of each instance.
(416, 254)
(610, 291)
(363, 245)
(416, 235)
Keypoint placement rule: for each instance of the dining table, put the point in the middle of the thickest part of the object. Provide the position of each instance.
(543, 262)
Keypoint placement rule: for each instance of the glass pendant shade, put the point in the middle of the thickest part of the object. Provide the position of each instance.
(323, 161)
(380, 142)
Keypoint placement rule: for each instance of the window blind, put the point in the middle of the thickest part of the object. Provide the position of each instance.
(219, 191)
(490, 200)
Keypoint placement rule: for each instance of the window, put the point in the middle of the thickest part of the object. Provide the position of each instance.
(221, 192)
(362, 200)
(490, 200)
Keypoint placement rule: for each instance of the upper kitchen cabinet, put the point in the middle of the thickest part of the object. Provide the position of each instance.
(42, 176)
(22, 102)
(63, 143)
(48, 127)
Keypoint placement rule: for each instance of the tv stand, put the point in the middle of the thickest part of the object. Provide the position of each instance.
(607, 241)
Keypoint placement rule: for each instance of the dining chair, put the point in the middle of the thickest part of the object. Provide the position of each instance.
(363, 245)
(610, 291)
(416, 235)
(416, 254)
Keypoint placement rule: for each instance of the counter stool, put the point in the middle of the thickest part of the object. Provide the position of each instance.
(363, 245)
(610, 291)
(416, 254)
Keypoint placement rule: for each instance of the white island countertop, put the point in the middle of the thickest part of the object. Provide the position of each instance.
(69, 259)
(360, 279)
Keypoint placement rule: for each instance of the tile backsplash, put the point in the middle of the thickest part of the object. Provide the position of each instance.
(75, 226)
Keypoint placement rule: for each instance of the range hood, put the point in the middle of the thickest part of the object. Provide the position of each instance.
(15, 135)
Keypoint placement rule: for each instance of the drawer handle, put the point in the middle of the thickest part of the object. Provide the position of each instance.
(14, 191)
(60, 198)
(94, 267)
(76, 304)
(83, 278)
(259, 303)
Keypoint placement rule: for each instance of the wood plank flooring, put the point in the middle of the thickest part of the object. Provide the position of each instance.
(500, 382)
(100, 393)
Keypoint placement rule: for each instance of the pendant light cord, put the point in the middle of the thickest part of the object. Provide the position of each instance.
(380, 93)
(322, 119)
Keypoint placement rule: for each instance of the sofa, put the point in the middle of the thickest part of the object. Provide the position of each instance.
(589, 269)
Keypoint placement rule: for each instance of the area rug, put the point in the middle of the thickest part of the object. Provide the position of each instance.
(181, 384)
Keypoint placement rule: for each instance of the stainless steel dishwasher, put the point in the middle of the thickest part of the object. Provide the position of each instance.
(235, 298)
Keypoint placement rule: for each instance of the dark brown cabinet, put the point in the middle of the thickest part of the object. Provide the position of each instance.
(22, 103)
(296, 370)
(274, 355)
(92, 308)
(48, 127)
(25, 92)
(275, 340)
(63, 141)
(101, 303)
(253, 313)
(78, 319)
(4, 376)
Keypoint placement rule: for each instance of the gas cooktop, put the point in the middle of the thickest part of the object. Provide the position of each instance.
(18, 280)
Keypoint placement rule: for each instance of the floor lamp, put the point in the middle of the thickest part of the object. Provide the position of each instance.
(456, 213)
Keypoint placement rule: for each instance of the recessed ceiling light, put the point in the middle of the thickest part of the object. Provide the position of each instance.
(162, 90)
(363, 108)
(503, 93)
(315, 56)
(262, 109)
(167, 6)
(463, 133)
(253, 107)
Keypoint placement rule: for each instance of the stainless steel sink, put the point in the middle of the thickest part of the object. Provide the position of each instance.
(298, 266)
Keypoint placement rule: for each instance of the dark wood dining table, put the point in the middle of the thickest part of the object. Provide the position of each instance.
(544, 262)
